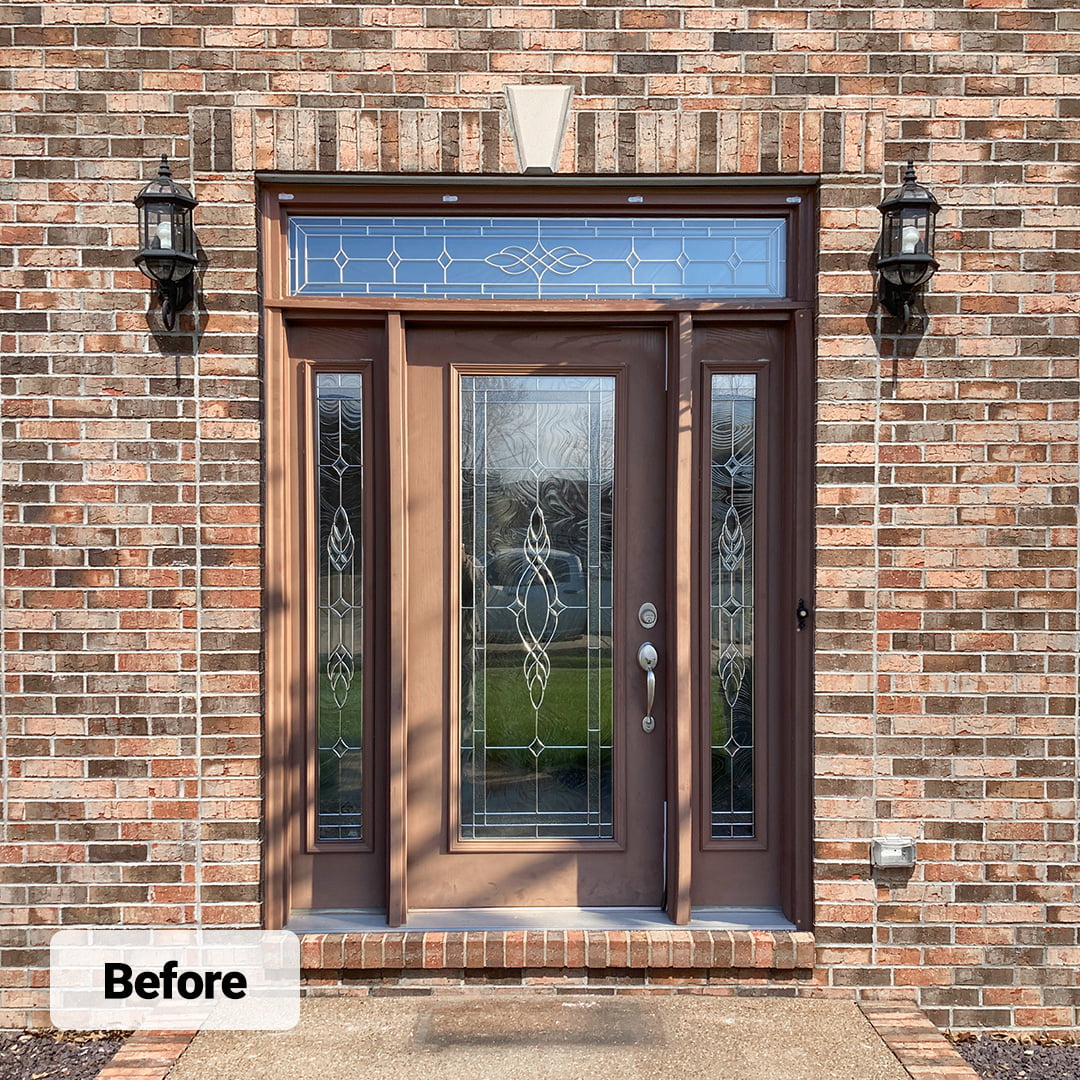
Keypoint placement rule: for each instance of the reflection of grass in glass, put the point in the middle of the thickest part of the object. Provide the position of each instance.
(720, 713)
(340, 779)
(733, 778)
(564, 713)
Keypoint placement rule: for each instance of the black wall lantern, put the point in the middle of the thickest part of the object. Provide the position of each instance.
(906, 260)
(167, 242)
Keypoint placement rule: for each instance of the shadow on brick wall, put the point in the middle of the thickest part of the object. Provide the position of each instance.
(892, 340)
(187, 336)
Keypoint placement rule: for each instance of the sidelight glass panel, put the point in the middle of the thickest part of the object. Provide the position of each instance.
(340, 711)
(732, 605)
(537, 258)
(537, 475)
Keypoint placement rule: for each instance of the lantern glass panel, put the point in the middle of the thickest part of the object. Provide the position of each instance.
(181, 230)
(891, 235)
(913, 231)
(158, 226)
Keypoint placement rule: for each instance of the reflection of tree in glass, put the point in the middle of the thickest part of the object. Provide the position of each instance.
(565, 504)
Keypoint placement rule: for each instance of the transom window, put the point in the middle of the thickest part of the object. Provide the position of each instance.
(537, 258)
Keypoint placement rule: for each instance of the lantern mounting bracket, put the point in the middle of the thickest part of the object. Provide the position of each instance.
(174, 297)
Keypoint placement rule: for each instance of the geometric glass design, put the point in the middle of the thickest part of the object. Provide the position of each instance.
(732, 605)
(340, 708)
(537, 258)
(537, 482)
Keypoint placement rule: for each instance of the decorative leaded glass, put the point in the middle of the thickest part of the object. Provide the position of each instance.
(340, 712)
(732, 605)
(537, 258)
(537, 474)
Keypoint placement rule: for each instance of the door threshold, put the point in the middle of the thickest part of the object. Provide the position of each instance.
(341, 921)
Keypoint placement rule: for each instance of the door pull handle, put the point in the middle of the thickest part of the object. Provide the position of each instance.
(647, 658)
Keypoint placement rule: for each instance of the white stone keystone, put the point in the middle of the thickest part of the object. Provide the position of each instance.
(539, 115)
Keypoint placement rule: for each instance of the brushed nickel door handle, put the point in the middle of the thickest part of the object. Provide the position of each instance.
(647, 658)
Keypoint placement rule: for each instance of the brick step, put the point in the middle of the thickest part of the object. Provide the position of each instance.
(774, 950)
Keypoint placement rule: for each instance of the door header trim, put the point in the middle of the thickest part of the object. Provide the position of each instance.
(308, 179)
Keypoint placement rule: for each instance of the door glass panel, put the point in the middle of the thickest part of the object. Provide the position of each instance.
(537, 258)
(732, 605)
(537, 475)
(339, 680)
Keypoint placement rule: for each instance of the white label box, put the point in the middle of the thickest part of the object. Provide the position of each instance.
(174, 979)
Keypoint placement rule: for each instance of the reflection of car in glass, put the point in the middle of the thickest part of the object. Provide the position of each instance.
(561, 595)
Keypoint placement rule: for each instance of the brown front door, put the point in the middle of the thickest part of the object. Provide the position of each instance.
(536, 508)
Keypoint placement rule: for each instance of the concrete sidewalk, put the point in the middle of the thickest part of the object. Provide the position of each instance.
(553, 1037)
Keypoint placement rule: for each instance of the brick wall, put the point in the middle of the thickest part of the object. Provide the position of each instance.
(947, 548)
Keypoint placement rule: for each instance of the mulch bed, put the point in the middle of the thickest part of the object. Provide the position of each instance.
(57, 1055)
(1020, 1057)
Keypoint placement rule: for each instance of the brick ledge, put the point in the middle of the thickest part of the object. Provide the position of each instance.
(147, 1055)
(915, 1042)
(774, 950)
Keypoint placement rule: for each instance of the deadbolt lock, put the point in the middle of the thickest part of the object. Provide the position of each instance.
(647, 615)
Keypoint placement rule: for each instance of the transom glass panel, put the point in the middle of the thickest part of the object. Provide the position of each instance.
(537, 476)
(339, 677)
(731, 559)
(537, 258)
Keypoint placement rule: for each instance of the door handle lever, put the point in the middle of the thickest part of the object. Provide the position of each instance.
(647, 658)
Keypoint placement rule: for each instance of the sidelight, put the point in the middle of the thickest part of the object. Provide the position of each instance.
(340, 570)
(731, 559)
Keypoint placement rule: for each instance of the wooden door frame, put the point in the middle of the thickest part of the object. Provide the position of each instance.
(793, 198)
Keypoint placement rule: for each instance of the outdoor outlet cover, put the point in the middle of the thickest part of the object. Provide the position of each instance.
(538, 115)
(890, 852)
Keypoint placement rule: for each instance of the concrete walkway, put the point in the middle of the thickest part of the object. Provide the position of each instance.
(553, 1037)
